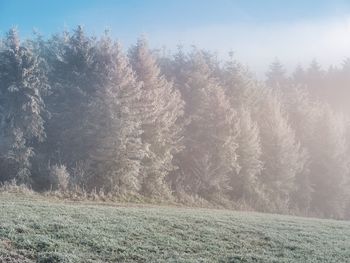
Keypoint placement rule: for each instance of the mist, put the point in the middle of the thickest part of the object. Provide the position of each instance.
(256, 45)
(174, 131)
(80, 112)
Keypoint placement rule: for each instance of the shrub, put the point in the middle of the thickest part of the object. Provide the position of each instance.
(13, 187)
(59, 177)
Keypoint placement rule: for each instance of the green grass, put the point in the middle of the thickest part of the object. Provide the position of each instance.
(33, 229)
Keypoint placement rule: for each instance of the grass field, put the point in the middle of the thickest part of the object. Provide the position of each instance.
(33, 229)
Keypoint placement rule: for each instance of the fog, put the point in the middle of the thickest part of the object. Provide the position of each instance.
(249, 113)
(294, 43)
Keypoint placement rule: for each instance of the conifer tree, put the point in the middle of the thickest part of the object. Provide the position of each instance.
(74, 81)
(242, 91)
(119, 150)
(276, 76)
(22, 84)
(315, 80)
(210, 139)
(162, 107)
(246, 182)
(299, 75)
(241, 88)
(330, 164)
(302, 113)
(282, 156)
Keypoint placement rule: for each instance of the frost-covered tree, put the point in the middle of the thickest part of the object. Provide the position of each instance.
(161, 109)
(282, 156)
(210, 139)
(241, 88)
(246, 182)
(243, 93)
(329, 165)
(302, 113)
(119, 149)
(299, 75)
(276, 76)
(315, 80)
(22, 84)
(74, 80)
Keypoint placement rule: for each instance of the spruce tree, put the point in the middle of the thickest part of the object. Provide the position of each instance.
(210, 139)
(315, 80)
(117, 131)
(330, 164)
(302, 113)
(282, 156)
(276, 76)
(162, 107)
(246, 182)
(74, 80)
(299, 75)
(23, 83)
(240, 86)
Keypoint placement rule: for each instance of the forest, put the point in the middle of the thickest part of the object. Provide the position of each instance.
(80, 113)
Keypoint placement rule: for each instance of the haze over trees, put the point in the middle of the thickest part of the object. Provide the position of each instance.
(79, 112)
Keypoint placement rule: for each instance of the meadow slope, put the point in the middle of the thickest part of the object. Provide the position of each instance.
(33, 229)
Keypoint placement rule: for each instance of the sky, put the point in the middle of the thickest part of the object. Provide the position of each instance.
(257, 31)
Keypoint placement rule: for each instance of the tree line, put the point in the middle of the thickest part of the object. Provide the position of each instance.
(77, 111)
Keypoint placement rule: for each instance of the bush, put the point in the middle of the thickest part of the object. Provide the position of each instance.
(13, 187)
(59, 177)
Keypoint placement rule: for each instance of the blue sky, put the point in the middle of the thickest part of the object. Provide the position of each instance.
(256, 30)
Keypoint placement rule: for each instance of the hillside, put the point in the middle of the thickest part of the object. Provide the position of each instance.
(33, 229)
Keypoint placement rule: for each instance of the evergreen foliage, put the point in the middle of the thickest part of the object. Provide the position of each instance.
(76, 112)
(23, 83)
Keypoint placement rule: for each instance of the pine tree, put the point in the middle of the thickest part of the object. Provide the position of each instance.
(246, 184)
(341, 80)
(315, 80)
(240, 86)
(276, 76)
(118, 153)
(176, 69)
(162, 107)
(282, 156)
(74, 80)
(299, 75)
(23, 83)
(330, 164)
(210, 154)
(302, 113)
(242, 91)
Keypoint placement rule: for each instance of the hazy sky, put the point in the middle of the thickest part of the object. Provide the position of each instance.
(256, 30)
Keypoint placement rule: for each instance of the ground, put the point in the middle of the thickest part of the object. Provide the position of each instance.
(34, 229)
